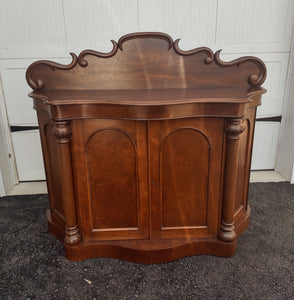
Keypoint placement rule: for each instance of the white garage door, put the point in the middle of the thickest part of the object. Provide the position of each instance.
(36, 29)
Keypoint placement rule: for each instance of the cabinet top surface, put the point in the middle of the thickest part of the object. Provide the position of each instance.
(144, 97)
(147, 67)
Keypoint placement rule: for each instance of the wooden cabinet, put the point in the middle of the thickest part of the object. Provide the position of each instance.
(147, 148)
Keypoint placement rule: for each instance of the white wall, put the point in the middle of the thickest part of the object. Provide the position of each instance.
(286, 154)
(37, 29)
(8, 176)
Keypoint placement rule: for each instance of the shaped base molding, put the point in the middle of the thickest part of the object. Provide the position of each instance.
(149, 251)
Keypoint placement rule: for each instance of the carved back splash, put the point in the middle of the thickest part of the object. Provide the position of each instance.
(147, 61)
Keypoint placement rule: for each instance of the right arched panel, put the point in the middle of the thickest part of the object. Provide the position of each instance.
(185, 159)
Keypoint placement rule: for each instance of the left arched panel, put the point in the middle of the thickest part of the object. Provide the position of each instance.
(113, 182)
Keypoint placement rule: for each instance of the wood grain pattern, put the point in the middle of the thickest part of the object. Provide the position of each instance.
(184, 176)
(111, 153)
(62, 133)
(152, 61)
(147, 148)
(234, 128)
(185, 188)
(52, 168)
(111, 164)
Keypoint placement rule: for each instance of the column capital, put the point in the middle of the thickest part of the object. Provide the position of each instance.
(234, 128)
(61, 131)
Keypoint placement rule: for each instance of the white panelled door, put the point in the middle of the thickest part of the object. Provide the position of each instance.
(23, 119)
(41, 29)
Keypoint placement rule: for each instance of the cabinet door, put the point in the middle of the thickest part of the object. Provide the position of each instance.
(110, 167)
(185, 177)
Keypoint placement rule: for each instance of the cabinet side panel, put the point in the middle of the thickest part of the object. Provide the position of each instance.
(51, 164)
(112, 170)
(184, 178)
(54, 176)
(244, 163)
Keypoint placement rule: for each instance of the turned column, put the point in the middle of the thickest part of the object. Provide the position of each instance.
(233, 130)
(62, 133)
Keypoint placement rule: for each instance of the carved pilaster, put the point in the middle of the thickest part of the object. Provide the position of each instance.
(62, 133)
(233, 129)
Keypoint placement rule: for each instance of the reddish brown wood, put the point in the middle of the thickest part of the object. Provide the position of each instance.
(62, 133)
(110, 161)
(185, 173)
(233, 129)
(147, 148)
(150, 61)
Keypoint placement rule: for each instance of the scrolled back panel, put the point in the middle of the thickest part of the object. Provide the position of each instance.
(147, 61)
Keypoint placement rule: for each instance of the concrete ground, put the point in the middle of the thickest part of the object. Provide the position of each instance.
(33, 266)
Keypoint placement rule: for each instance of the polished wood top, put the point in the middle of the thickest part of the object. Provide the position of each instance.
(144, 97)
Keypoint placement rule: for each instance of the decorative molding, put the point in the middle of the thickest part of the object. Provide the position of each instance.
(253, 79)
(157, 35)
(206, 50)
(189, 128)
(83, 63)
(114, 129)
(38, 84)
(227, 232)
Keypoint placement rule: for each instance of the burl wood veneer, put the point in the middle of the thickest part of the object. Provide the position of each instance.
(147, 148)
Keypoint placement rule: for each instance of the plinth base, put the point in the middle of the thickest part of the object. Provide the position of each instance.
(149, 251)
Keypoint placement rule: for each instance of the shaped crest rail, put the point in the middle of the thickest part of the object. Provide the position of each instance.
(147, 60)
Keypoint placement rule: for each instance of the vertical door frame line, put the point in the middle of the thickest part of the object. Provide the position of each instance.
(8, 167)
(281, 161)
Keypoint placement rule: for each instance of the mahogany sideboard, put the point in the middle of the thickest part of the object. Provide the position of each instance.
(147, 148)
